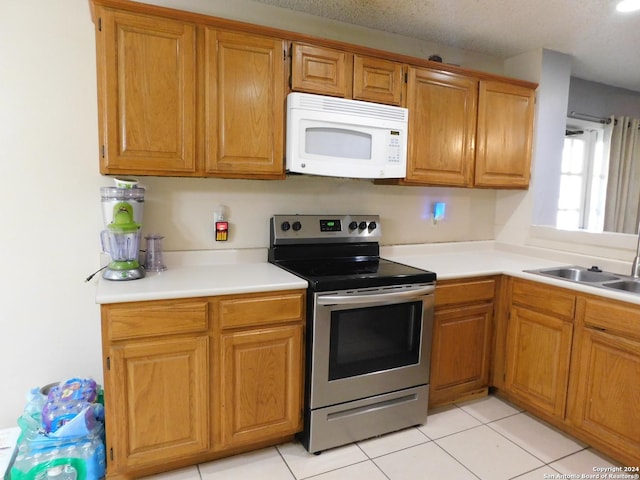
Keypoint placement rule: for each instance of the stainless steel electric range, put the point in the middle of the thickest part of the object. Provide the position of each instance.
(369, 323)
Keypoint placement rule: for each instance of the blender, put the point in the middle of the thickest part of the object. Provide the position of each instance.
(122, 212)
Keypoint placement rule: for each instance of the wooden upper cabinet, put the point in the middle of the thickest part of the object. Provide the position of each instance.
(327, 71)
(321, 70)
(378, 80)
(147, 94)
(505, 133)
(442, 125)
(244, 102)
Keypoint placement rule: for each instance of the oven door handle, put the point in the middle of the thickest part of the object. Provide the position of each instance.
(376, 297)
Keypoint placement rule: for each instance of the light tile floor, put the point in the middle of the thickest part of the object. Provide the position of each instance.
(486, 439)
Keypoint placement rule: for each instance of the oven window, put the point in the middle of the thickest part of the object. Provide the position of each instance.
(372, 339)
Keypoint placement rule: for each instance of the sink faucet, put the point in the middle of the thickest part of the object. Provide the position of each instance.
(635, 267)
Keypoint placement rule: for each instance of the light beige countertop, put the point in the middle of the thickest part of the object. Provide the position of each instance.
(200, 274)
(473, 259)
(222, 272)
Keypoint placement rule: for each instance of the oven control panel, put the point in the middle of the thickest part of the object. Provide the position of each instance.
(325, 228)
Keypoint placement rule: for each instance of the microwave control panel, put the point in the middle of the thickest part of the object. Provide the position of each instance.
(394, 147)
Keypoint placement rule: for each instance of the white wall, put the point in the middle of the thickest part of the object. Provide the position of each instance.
(50, 209)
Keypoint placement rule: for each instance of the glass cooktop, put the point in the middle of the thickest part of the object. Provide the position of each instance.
(340, 274)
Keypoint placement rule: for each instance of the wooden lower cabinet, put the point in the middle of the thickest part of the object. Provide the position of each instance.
(161, 400)
(538, 345)
(538, 353)
(191, 380)
(260, 384)
(573, 359)
(604, 394)
(461, 347)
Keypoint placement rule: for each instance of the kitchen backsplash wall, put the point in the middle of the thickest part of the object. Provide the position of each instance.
(182, 209)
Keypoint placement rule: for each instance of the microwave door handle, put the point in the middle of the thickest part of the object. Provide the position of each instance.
(379, 297)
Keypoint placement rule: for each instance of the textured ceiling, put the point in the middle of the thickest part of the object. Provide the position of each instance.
(604, 44)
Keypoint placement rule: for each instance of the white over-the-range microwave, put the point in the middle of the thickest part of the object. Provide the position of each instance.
(345, 138)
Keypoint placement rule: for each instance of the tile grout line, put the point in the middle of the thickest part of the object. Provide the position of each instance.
(456, 460)
(531, 453)
(285, 462)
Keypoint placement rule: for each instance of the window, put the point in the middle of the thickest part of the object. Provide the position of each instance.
(583, 179)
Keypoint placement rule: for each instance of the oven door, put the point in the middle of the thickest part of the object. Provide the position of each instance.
(371, 341)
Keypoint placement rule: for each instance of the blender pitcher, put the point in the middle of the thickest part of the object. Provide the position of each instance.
(121, 240)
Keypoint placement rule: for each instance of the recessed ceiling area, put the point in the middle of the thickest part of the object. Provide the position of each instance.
(603, 42)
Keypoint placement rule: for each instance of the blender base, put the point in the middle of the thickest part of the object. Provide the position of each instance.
(130, 274)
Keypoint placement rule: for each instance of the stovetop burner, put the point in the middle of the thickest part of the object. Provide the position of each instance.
(337, 252)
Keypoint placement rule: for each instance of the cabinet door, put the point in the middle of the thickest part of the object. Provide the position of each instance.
(606, 403)
(321, 70)
(159, 399)
(505, 132)
(377, 80)
(147, 98)
(538, 349)
(442, 125)
(244, 98)
(460, 355)
(261, 384)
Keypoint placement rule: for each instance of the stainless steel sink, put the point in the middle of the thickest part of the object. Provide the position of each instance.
(632, 286)
(593, 277)
(577, 274)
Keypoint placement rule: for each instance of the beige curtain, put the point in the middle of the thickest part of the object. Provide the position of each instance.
(622, 212)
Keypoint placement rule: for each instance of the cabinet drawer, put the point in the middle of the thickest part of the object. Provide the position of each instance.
(259, 309)
(147, 319)
(465, 292)
(543, 298)
(612, 316)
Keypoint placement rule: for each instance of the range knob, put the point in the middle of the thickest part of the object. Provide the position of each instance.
(353, 225)
(296, 226)
(362, 225)
(285, 226)
(372, 226)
